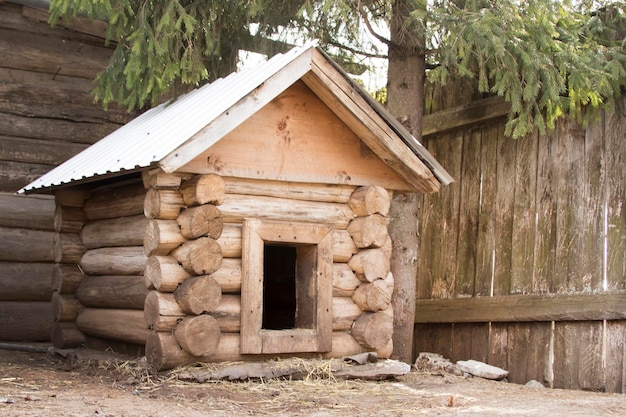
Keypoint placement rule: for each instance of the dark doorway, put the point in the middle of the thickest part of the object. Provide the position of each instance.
(279, 287)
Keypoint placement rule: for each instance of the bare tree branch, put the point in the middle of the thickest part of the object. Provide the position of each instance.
(368, 25)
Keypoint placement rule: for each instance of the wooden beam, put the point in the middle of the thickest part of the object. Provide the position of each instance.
(525, 308)
(468, 114)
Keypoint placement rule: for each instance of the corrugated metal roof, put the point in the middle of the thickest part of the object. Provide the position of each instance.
(153, 135)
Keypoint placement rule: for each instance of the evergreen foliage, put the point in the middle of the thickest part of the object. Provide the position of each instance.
(548, 58)
(165, 48)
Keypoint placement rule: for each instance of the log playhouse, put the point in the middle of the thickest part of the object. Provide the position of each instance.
(263, 232)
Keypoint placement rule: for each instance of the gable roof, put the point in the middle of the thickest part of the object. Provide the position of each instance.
(167, 135)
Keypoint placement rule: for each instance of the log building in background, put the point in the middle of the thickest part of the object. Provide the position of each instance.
(47, 115)
(246, 218)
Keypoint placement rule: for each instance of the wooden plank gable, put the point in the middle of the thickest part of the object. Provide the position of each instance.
(296, 137)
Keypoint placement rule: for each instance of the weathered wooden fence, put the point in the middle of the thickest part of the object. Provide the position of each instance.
(523, 260)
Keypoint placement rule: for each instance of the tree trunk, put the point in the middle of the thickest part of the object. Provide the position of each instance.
(405, 95)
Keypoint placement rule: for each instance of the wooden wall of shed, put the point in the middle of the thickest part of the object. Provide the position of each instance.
(174, 279)
(523, 260)
(47, 112)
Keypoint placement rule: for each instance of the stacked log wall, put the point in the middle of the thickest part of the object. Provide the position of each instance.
(98, 282)
(186, 327)
(47, 113)
(26, 266)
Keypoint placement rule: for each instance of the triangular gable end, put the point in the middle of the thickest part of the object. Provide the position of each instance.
(339, 95)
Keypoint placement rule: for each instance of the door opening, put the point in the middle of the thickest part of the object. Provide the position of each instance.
(279, 287)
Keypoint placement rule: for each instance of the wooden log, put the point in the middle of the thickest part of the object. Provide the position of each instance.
(122, 231)
(198, 335)
(229, 275)
(343, 246)
(113, 323)
(203, 189)
(113, 291)
(202, 256)
(163, 204)
(27, 212)
(369, 231)
(236, 207)
(370, 200)
(345, 281)
(163, 351)
(68, 219)
(230, 242)
(373, 296)
(372, 264)
(66, 335)
(158, 179)
(294, 190)
(228, 313)
(110, 203)
(65, 307)
(200, 221)
(161, 237)
(25, 321)
(198, 295)
(343, 345)
(29, 281)
(164, 273)
(345, 312)
(161, 311)
(386, 351)
(373, 330)
(68, 248)
(124, 260)
(25, 245)
(66, 278)
(70, 197)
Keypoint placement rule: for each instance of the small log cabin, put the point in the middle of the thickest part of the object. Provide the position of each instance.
(247, 218)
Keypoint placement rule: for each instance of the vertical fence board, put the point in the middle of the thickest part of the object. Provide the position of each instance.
(528, 345)
(545, 241)
(523, 244)
(485, 240)
(498, 345)
(505, 197)
(616, 195)
(469, 181)
(592, 254)
(449, 148)
(470, 341)
(436, 338)
(615, 372)
(570, 207)
(578, 355)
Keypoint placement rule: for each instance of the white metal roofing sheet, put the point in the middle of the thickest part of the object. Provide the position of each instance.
(156, 133)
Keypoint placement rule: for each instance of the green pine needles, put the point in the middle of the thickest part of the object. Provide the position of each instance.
(547, 58)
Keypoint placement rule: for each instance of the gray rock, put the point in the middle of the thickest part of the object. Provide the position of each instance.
(377, 371)
(482, 369)
(533, 383)
(434, 362)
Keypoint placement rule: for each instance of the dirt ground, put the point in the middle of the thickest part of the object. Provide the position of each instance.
(106, 385)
